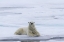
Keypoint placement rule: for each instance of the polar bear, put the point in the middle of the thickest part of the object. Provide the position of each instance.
(29, 31)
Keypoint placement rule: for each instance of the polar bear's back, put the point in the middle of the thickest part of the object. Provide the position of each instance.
(25, 29)
(21, 31)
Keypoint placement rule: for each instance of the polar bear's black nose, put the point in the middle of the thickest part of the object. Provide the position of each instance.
(31, 23)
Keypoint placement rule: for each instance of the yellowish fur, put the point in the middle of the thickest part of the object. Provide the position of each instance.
(29, 31)
(32, 30)
(21, 31)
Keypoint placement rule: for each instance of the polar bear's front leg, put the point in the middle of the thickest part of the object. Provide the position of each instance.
(30, 34)
(37, 34)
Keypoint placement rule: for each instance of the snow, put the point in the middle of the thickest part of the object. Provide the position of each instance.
(48, 16)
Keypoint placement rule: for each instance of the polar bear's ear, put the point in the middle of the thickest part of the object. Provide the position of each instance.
(34, 22)
(28, 22)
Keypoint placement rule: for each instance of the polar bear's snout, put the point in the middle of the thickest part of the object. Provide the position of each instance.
(31, 23)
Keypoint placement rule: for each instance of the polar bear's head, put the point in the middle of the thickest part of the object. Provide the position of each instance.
(31, 24)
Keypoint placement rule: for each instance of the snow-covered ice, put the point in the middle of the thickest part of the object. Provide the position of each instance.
(48, 16)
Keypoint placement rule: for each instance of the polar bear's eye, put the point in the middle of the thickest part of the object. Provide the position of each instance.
(30, 22)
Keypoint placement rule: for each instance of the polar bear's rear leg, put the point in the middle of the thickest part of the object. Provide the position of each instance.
(19, 31)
